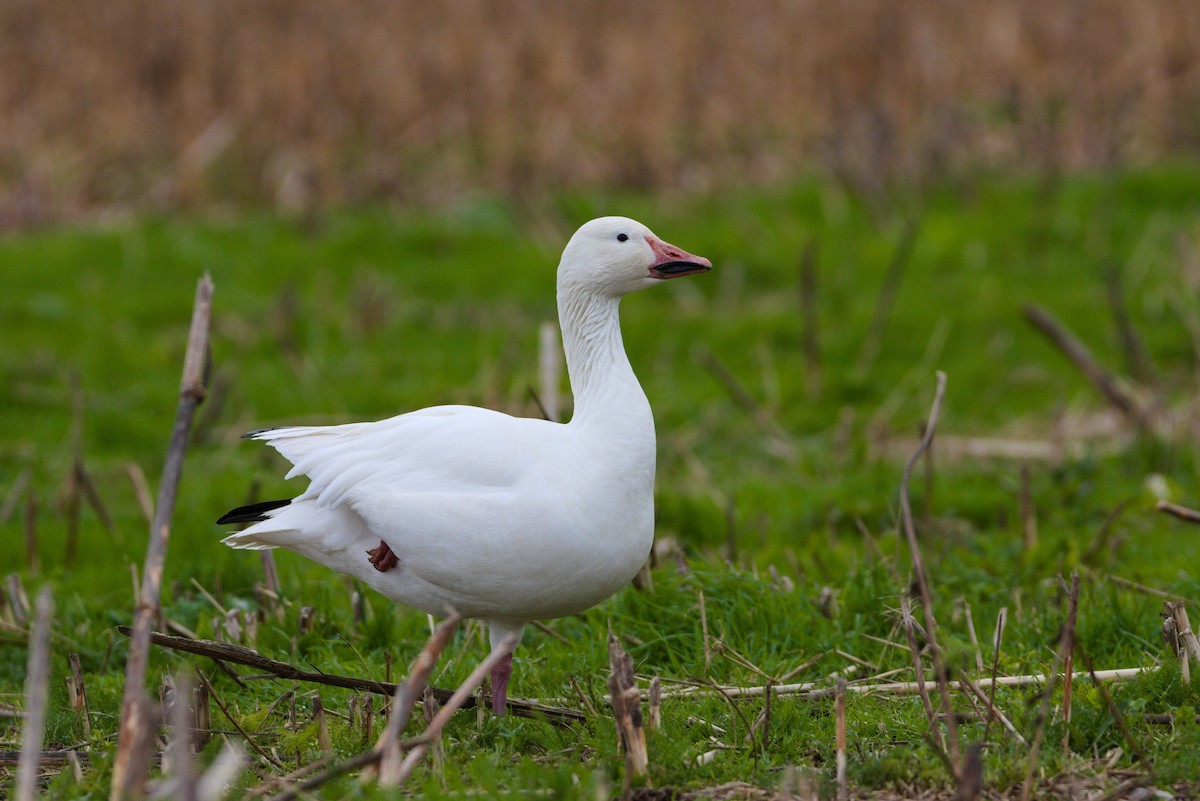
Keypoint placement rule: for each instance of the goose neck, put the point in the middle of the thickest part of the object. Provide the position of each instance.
(602, 379)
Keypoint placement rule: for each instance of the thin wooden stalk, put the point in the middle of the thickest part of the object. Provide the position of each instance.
(1181, 512)
(843, 791)
(627, 710)
(1069, 648)
(129, 776)
(814, 690)
(460, 696)
(997, 640)
(1060, 657)
(37, 679)
(183, 766)
(225, 652)
(406, 697)
(910, 533)
(1083, 359)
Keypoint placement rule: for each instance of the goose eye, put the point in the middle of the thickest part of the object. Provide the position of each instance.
(622, 237)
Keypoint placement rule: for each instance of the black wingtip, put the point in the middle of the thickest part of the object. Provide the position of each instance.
(257, 431)
(252, 513)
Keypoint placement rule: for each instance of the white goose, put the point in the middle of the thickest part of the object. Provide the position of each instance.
(506, 519)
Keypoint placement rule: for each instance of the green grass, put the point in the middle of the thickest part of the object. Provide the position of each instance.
(363, 314)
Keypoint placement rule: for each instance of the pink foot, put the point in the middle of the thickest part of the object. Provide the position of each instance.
(382, 557)
(501, 673)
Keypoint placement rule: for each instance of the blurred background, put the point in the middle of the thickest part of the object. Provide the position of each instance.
(302, 104)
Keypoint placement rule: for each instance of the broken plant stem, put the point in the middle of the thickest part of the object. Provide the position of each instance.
(1181, 512)
(434, 730)
(37, 679)
(226, 652)
(127, 776)
(406, 697)
(1082, 357)
(910, 533)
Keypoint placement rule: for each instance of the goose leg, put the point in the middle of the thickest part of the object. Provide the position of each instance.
(382, 557)
(501, 673)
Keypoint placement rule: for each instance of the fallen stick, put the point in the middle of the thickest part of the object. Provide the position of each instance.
(1142, 588)
(1082, 357)
(1175, 510)
(49, 759)
(245, 656)
(993, 711)
(814, 689)
(128, 776)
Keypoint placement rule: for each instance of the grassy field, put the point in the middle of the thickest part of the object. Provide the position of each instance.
(780, 507)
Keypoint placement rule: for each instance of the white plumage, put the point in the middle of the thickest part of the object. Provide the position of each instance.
(506, 519)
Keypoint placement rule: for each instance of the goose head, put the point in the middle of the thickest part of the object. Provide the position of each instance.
(614, 256)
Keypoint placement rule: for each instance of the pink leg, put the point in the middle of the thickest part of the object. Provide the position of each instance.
(501, 673)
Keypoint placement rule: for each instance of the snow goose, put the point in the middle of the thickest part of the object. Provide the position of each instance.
(506, 519)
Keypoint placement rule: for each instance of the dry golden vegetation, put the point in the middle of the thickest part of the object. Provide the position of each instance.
(303, 103)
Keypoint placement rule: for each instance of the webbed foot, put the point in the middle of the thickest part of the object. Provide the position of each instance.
(382, 557)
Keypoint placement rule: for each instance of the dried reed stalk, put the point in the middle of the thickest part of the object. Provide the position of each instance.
(270, 760)
(129, 775)
(1183, 628)
(1066, 646)
(843, 791)
(654, 717)
(433, 731)
(627, 710)
(1082, 357)
(997, 639)
(183, 780)
(1175, 510)
(1069, 646)
(77, 694)
(237, 654)
(815, 690)
(910, 534)
(406, 696)
(919, 670)
(37, 679)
